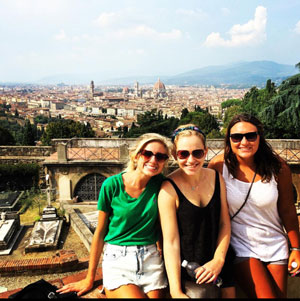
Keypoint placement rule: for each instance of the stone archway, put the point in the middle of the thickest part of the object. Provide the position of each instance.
(88, 188)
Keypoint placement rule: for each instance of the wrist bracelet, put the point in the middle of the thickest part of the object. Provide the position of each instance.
(294, 249)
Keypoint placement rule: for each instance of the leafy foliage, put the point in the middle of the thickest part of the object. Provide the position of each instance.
(231, 102)
(28, 134)
(204, 120)
(6, 138)
(153, 121)
(282, 116)
(256, 99)
(19, 176)
(66, 129)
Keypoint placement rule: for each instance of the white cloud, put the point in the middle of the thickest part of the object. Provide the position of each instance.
(107, 19)
(60, 36)
(252, 32)
(297, 27)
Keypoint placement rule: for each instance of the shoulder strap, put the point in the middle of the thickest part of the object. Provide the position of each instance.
(217, 182)
(175, 186)
(246, 198)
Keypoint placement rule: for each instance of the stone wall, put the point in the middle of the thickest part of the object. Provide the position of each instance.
(26, 151)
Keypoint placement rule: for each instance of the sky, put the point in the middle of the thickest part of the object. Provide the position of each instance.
(120, 38)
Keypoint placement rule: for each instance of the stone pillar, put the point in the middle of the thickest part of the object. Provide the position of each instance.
(62, 152)
(124, 153)
(64, 186)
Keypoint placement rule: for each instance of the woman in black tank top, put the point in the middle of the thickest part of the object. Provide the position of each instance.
(194, 218)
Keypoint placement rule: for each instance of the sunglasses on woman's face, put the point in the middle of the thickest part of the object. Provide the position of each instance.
(196, 153)
(238, 137)
(160, 157)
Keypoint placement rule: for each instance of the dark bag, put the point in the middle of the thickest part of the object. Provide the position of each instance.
(41, 289)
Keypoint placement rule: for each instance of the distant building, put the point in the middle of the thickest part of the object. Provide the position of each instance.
(92, 88)
(137, 91)
(94, 94)
(159, 89)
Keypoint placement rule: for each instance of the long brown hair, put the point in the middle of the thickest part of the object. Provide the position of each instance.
(266, 160)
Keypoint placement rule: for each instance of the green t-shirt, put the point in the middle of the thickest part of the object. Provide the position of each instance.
(132, 221)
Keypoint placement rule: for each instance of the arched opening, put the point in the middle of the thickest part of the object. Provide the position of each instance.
(88, 187)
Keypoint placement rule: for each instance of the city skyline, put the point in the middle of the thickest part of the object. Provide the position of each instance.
(111, 39)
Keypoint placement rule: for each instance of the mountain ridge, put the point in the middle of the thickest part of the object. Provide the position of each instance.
(243, 74)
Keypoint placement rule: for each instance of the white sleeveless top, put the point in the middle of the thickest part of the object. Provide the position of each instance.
(257, 230)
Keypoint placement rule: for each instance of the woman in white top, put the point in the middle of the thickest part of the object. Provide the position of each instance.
(262, 227)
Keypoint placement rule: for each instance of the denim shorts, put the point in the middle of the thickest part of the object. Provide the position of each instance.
(138, 265)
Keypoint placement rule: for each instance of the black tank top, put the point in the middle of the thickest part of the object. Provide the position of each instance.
(198, 227)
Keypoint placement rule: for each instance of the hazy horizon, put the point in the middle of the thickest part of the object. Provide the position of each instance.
(115, 39)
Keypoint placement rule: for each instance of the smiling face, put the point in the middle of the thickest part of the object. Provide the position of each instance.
(191, 164)
(244, 149)
(151, 165)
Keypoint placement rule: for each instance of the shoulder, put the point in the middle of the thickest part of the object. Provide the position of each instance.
(112, 180)
(217, 163)
(285, 170)
(167, 186)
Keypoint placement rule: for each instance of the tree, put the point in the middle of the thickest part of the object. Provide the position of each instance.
(230, 112)
(231, 102)
(282, 116)
(256, 100)
(28, 134)
(66, 129)
(205, 121)
(153, 121)
(298, 66)
(184, 112)
(6, 138)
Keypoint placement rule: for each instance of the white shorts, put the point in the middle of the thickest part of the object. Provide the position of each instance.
(138, 265)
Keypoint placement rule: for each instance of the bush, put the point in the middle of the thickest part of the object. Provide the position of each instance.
(19, 176)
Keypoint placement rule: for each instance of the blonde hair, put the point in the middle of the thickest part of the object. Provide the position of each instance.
(186, 130)
(141, 143)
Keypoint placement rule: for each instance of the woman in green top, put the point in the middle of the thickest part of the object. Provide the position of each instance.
(128, 227)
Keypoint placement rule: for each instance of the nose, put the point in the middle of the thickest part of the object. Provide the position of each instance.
(244, 140)
(191, 158)
(153, 159)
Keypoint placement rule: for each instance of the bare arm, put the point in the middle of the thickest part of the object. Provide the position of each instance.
(86, 284)
(287, 212)
(171, 241)
(216, 163)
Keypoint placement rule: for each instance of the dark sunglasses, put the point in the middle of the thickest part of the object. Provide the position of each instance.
(160, 157)
(238, 137)
(196, 153)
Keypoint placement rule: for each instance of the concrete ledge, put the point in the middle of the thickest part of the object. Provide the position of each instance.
(81, 229)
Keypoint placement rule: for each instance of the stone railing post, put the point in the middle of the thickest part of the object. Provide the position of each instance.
(124, 153)
(62, 152)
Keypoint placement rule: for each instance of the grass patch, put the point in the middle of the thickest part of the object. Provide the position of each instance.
(32, 205)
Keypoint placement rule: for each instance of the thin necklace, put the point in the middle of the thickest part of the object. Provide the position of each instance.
(194, 187)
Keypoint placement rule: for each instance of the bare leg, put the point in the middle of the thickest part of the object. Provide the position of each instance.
(157, 294)
(279, 274)
(255, 279)
(125, 291)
